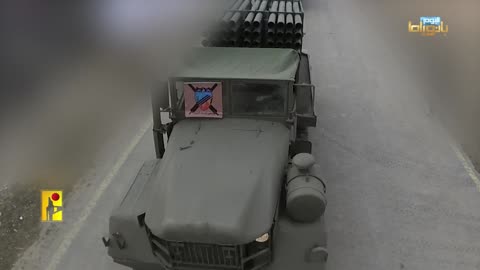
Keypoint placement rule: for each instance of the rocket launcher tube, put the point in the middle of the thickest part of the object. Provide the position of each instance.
(236, 17)
(273, 17)
(229, 14)
(251, 15)
(281, 16)
(298, 33)
(298, 18)
(289, 15)
(259, 17)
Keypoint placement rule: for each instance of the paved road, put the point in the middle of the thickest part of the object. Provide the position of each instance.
(400, 196)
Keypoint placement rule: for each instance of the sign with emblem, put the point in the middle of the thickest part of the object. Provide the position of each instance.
(203, 99)
(52, 206)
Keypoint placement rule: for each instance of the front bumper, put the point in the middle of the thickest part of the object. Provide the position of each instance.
(295, 246)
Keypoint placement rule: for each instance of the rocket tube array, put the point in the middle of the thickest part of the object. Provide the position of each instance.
(259, 23)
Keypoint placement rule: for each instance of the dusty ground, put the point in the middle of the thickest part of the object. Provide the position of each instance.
(19, 221)
(69, 141)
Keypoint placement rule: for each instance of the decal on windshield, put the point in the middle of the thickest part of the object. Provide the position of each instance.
(203, 99)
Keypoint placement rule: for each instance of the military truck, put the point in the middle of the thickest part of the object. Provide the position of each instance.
(234, 184)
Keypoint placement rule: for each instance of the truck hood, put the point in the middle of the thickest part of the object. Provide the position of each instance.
(219, 181)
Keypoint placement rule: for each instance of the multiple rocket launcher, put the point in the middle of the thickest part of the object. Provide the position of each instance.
(259, 23)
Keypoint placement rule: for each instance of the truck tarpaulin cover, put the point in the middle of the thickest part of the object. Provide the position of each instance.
(241, 63)
(203, 99)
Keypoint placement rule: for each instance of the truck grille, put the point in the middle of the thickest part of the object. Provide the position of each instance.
(189, 254)
(192, 256)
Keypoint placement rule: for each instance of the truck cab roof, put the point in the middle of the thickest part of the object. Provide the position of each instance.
(226, 63)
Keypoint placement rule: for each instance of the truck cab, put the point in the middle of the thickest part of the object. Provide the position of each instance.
(250, 83)
(234, 185)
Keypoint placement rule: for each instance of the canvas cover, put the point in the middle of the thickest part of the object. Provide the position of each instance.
(241, 63)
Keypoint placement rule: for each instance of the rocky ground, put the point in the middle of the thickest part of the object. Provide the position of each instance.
(19, 220)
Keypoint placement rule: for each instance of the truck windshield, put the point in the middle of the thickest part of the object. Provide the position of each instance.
(258, 98)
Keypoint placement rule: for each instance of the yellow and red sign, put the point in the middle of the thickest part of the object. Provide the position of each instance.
(52, 206)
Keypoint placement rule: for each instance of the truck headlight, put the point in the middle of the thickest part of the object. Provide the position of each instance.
(263, 238)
